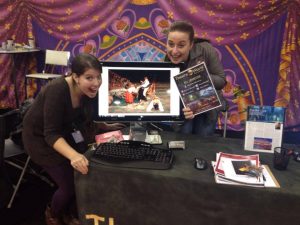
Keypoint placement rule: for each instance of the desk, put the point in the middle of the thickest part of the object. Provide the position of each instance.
(184, 195)
(14, 53)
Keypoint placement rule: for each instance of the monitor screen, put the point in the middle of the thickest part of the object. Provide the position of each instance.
(138, 91)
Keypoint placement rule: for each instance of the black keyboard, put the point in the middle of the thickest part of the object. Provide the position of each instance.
(133, 154)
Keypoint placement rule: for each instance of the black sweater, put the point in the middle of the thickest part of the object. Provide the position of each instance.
(50, 117)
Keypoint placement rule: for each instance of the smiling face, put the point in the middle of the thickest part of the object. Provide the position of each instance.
(89, 82)
(178, 46)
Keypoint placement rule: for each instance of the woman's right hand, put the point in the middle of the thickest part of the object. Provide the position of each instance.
(188, 113)
(80, 163)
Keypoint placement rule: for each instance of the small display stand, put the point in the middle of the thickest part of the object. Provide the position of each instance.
(140, 132)
(264, 128)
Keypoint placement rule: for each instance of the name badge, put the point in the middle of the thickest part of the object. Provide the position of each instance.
(77, 136)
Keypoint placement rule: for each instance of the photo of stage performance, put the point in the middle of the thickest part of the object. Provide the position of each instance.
(139, 91)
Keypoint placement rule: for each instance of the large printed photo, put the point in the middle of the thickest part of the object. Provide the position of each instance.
(139, 91)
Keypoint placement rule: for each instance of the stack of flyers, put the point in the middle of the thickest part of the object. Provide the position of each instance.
(242, 170)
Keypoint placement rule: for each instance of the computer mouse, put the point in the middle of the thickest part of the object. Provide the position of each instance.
(200, 163)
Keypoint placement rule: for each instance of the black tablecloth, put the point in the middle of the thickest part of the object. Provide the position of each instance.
(184, 195)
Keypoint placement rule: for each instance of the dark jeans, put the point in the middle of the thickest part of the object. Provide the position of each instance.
(63, 200)
(203, 124)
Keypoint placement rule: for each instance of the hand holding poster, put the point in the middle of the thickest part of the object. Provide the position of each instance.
(196, 89)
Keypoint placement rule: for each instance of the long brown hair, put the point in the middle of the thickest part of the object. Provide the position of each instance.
(80, 64)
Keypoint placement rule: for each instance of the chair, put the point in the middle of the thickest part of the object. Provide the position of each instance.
(5, 130)
(9, 150)
(53, 57)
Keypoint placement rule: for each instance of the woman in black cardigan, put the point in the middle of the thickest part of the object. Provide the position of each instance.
(56, 130)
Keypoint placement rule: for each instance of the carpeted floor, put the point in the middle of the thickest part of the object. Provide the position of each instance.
(29, 205)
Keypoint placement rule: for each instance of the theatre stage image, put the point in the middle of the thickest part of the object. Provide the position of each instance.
(135, 91)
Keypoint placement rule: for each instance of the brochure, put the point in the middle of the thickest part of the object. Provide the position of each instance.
(196, 89)
(264, 128)
(222, 157)
(240, 172)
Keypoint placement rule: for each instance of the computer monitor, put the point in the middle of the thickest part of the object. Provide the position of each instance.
(138, 91)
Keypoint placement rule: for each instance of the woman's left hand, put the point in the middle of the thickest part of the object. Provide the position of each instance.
(188, 113)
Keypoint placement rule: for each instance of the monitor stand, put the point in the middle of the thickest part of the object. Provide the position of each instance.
(139, 132)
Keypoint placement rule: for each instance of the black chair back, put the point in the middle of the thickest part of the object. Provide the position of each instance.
(9, 122)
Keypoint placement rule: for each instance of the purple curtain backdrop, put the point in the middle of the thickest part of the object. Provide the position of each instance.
(288, 88)
(226, 22)
(248, 35)
(65, 19)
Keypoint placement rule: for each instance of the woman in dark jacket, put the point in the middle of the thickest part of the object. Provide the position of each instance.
(183, 47)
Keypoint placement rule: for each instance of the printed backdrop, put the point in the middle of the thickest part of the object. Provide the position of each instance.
(257, 41)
